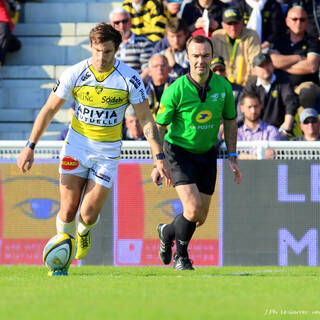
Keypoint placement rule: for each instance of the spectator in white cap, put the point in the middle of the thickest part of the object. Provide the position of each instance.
(310, 125)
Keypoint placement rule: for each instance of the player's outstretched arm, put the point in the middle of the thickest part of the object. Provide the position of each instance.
(230, 137)
(51, 107)
(152, 135)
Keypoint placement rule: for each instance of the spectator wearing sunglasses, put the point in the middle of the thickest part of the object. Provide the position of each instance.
(310, 125)
(298, 56)
(134, 50)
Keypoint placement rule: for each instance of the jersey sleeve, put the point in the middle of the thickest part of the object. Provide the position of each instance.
(65, 84)
(229, 110)
(167, 106)
(137, 91)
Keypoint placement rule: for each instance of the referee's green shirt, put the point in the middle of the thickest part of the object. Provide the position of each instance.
(194, 125)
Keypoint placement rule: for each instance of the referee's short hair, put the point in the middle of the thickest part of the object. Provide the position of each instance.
(199, 39)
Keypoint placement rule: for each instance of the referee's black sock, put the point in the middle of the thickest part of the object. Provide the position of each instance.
(184, 230)
(169, 231)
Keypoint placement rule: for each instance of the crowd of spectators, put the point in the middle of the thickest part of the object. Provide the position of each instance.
(264, 48)
(268, 49)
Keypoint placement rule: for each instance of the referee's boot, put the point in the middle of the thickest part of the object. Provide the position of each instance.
(165, 251)
(83, 245)
(182, 263)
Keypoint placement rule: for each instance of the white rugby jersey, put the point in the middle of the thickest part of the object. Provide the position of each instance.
(101, 98)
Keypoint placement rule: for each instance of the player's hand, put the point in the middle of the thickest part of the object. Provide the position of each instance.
(162, 171)
(236, 170)
(25, 158)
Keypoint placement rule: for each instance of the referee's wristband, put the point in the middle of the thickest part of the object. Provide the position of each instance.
(160, 156)
(232, 154)
(30, 145)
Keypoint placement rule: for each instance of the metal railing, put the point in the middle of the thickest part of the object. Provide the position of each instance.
(140, 149)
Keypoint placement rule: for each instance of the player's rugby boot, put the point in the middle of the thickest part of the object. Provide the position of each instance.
(182, 263)
(165, 251)
(62, 272)
(83, 245)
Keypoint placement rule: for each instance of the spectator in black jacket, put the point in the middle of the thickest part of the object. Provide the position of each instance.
(193, 15)
(264, 16)
(279, 102)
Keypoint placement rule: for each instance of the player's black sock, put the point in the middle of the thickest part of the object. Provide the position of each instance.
(168, 231)
(184, 230)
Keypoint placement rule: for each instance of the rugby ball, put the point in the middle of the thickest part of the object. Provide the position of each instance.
(59, 251)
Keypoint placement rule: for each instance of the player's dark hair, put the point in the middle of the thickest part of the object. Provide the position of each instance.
(103, 32)
(249, 94)
(199, 39)
(175, 25)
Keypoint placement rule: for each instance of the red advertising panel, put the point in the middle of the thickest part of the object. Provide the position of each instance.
(139, 206)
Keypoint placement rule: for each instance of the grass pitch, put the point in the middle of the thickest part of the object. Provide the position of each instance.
(160, 293)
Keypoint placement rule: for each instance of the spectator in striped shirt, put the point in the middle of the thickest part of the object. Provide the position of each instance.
(148, 17)
(134, 50)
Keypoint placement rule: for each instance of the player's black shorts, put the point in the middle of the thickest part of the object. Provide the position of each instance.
(188, 168)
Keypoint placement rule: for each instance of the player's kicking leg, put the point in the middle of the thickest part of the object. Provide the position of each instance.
(93, 199)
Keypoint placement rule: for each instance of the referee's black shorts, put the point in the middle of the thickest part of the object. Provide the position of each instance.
(189, 168)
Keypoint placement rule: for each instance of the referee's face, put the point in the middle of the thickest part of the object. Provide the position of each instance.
(199, 56)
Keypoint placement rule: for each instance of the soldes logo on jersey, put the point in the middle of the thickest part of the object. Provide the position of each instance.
(111, 100)
(98, 117)
(135, 81)
(86, 76)
(203, 116)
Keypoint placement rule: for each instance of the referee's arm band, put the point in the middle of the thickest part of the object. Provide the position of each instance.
(232, 154)
(30, 145)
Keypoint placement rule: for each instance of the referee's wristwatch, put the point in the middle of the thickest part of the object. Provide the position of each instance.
(232, 155)
(160, 156)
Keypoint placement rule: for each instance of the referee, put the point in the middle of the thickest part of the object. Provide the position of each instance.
(192, 109)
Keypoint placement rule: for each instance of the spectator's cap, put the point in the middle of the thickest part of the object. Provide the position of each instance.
(176, 1)
(308, 113)
(217, 61)
(231, 15)
(129, 112)
(260, 59)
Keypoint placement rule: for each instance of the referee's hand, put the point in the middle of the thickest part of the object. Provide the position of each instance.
(161, 171)
(236, 170)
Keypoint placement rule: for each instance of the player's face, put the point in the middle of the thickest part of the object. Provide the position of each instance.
(103, 55)
(233, 29)
(297, 21)
(251, 109)
(199, 56)
(177, 40)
